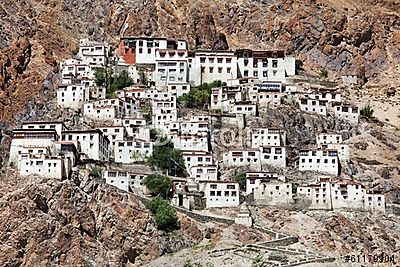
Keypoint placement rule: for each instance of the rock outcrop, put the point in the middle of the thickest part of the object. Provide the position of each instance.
(357, 37)
(49, 222)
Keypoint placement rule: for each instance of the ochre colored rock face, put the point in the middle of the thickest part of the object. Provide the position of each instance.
(357, 37)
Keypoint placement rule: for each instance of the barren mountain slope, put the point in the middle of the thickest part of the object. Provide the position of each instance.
(359, 36)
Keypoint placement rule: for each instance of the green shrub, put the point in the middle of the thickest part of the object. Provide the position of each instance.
(158, 185)
(169, 159)
(95, 172)
(240, 177)
(199, 96)
(367, 111)
(164, 214)
(323, 73)
(299, 64)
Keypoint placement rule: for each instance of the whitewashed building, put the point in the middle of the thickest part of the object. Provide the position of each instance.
(267, 137)
(30, 138)
(93, 53)
(313, 105)
(208, 66)
(254, 179)
(204, 172)
(44, 165)
(72, 96)
(265, 65)
(223, 98)
(58, 126)
(94, 144)
(105, 109)
(191, 142)
(194, 158)
(220, 194)
(125, 180)
(242, 157)
(132, 125)
(273, 193)
(320, 160)
(132, 150)
(331, 194)
(329, 138)
(347, 112)
(245, 108)
(273, 155)
(164, 111)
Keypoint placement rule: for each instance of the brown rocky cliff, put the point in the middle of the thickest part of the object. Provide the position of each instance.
(358, 36)
(53, 223)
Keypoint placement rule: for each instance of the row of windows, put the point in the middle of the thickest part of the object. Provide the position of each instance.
(226, 193)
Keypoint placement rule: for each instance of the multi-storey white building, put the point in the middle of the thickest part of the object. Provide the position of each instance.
(172, 70)
(267, 94)
(313, 105)
(132, 150)
(114, 133)
(220, 194)
(208, 66)
(273, 193)
(30, 139)
(324, 95)
(246, 108)
(273, 155)
(188, 127)
(132, 125)
(254, 179)
(105, 109)
(125, 180)
(242, 157)
(223, 98)
(265, 65)
(72, 95)
(320, 160)
(43, 165)
(331, 194)
(194, 158)
(164, 111)
(190, 142)
(93, 53)
(58, 126)
(334, 142)
(347, 112)
(94, 144)
(267, 137)
(329, 138)
(204, 172)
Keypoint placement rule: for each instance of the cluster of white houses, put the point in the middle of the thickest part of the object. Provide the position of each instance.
(255, 80)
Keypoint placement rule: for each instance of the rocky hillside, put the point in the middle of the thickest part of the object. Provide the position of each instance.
(357, 36)
(53, 223)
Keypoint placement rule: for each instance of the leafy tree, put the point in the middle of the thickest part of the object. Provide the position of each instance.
(164, 214)
(323, 73)
(95, 172)
(258, 261)
(90, 31)
(154, 134)
(199, 96)
(166, 157)
(299, 64)
(75, 51)
(143, 78)
(240, 177)
(367, 111)
(103, 76)
(158, 185)
(120, 81)
(294, 188)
